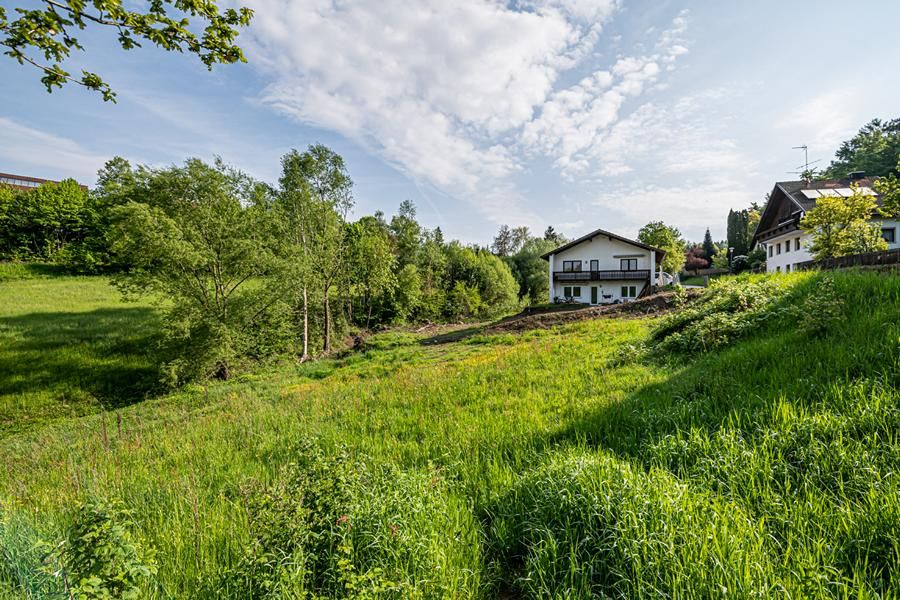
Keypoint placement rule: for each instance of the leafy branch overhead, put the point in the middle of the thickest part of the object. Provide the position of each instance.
(45, 37)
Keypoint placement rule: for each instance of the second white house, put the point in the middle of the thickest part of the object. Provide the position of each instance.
(602, 268)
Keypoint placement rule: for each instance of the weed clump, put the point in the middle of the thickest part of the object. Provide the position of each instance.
(335, 526)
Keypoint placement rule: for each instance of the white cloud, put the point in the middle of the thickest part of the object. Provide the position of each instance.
(692, 205)
(455, 94)
(826, 119)
(45, 154)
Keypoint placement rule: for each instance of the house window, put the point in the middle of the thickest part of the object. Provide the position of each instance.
(567, 292)
(797, 244)
(787, 246)
(770, 251)
(889, 234)
(576, 291)
(595, 265)
(628, 264)
(778, 269)
(629, 291)
(778, 248)
(571, 266)
(787, 268)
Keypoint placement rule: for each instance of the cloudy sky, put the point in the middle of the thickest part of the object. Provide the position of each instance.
(573, 113)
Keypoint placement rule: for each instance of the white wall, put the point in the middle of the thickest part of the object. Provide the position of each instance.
(785, 261)
(610, 288)
(605, 250)
(608, 252)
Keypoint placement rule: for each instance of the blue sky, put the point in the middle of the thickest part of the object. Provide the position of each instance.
(573, 113)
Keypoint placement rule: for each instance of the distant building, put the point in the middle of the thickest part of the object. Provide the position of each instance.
(602, 268)
(779, 233)
(24, 182)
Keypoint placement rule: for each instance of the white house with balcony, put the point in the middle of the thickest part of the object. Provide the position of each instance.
(602, 268)
(779, 233)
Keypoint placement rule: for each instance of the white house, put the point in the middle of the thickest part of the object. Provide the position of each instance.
(602, 268)
(779, 233)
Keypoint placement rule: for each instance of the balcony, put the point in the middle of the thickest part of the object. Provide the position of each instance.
(636, 275)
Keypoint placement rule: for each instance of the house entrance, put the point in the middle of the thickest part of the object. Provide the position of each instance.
(594, 294)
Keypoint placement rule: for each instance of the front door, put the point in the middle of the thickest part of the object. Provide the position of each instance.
(594, 294)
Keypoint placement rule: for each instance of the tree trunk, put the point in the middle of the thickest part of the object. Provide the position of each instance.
(305, 355)
(326, 346)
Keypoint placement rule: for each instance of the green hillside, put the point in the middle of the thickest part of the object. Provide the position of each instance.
(746, 445)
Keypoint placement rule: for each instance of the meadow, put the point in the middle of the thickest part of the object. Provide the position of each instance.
(746, 445)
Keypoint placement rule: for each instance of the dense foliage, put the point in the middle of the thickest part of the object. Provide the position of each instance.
(874, 150)
(842, 226)
(667, 238)
(57, 222)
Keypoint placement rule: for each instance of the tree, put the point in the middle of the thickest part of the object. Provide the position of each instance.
(503, 241)
(43, 34)
(841, 226)
(406, 233)
(889, 189)
(318, 189)
(709, 248)
(874, 149)
(199, 239)
(664, 237)
(370, 263)
(551, 235)
(695, 259)
(530, 270)
(739, 231)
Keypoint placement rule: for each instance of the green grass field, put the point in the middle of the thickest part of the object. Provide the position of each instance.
(567, 463)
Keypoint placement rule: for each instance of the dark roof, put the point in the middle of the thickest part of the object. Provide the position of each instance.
(594, 234)
(793, 192)
(794, 188)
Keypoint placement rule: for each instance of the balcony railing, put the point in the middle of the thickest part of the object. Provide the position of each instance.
(640, 274)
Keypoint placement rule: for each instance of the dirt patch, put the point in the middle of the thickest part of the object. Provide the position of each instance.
(651, 305)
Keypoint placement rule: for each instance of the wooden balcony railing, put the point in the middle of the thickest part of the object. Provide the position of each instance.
(640, 274)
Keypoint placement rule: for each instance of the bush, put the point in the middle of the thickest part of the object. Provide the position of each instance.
(726, 311)
(99, 558)
(333, 526)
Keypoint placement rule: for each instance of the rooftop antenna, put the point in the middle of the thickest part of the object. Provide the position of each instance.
(806, 173)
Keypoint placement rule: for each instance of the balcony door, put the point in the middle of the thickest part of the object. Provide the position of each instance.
(595, 265)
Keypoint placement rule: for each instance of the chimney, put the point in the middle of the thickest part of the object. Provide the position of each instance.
(856, 175)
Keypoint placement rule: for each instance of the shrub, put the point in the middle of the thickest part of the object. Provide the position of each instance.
(334, 526)
(99, 557)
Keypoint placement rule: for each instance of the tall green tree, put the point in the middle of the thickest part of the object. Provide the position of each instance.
(889, 189)
(709, 247)
(320, 187)
(665, 237)
(874, 149)
(199, 240)
(370, 264)
(842, 226)
(43, 34)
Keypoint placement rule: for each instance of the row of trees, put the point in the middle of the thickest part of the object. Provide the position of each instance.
(247, 270)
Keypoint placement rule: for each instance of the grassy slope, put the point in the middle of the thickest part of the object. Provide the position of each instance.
(529, 466)
(69, 346)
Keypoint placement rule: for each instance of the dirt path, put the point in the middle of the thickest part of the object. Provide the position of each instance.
(655, 304)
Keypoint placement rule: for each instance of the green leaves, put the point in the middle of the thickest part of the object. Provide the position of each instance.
(842, 226)
(48, 33)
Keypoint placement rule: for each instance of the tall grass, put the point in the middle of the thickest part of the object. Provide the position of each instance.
(545, 465)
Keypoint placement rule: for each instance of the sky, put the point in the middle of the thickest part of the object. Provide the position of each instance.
(580, 114)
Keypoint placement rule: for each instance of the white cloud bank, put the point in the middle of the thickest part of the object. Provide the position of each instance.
(457, 94)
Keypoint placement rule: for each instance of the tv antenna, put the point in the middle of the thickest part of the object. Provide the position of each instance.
(806, 162)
